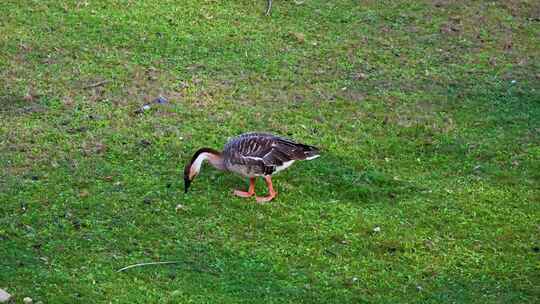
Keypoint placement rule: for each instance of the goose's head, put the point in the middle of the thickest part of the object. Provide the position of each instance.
(188, 177)
(193, 168)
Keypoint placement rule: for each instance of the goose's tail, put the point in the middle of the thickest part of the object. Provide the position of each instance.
(310, 152)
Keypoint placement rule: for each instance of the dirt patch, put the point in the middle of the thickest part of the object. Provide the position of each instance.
(524, 9)
(94, 148)
(421, 115)
(18, 105)
(444, 4)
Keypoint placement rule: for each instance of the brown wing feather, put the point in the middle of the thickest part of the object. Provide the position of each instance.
(248, 150)
(265, 151)
(293, 150)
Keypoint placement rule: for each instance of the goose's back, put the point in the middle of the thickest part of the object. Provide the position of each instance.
(256, 154)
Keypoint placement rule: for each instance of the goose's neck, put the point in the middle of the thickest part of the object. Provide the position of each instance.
(215, 159)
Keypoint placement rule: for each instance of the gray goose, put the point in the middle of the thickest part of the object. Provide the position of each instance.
(251, 155)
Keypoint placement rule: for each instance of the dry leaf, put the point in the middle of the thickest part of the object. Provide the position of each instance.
(301, 38)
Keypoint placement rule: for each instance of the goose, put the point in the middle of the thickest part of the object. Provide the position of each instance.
(251, 155)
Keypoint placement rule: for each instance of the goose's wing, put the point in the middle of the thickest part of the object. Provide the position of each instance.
(247, 153)
(265, 150)
(284, 150)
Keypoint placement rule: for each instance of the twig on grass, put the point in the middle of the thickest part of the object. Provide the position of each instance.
(167, 262)
(268, 7)
(149, 263)
(97, 84)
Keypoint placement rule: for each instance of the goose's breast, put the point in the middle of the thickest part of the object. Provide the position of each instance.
(244, 170)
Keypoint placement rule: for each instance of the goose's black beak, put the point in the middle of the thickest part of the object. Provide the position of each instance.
(187, 182)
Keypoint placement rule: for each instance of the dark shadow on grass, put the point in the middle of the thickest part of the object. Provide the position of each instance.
(344, 179)
(456, 289)
(333, 178)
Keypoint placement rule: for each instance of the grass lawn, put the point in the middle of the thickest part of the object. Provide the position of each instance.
(427, 113)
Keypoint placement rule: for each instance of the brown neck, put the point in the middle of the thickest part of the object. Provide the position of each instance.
(213, 156)
(216, 160)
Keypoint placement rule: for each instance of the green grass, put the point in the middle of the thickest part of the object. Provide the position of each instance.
(427, 112)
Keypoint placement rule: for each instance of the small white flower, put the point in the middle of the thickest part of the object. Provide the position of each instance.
(377, 229)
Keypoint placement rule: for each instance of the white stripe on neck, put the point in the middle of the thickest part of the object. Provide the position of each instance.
(196, 166)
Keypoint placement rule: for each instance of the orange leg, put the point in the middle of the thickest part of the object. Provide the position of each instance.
(251, 190)
(271, 192)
